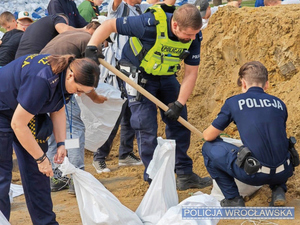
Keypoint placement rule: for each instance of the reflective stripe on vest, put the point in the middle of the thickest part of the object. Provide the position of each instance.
(163, 57)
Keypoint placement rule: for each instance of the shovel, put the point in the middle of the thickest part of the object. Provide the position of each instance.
(148, 95)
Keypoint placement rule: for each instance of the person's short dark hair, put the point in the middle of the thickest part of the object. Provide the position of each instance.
(188, 16)
(253, 72)
(6, 17)
(93, 25)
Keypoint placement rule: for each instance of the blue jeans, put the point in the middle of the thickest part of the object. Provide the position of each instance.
(75, 155)
(35, 184)
(127, 135)
(144, 121)
(219, 159)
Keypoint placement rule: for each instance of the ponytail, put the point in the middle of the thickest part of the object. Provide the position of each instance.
(87, 72)
(59, 63)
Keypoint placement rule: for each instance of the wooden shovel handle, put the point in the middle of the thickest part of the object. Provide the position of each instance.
(148, 95)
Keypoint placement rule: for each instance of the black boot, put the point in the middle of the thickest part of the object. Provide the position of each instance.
(278, 197)
(235, 202)
(186, 181)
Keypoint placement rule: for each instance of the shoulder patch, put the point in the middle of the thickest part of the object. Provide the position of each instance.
(200, 36)
(53, 81)
(149, 21)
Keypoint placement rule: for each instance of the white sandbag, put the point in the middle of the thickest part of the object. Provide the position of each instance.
(244, 189)
(96, 204)
(162, 193)
(100, 119)
(233, 141)
(3, 220)
(174, 215)
(14, 191)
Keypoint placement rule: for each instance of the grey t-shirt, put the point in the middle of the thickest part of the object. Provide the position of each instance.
(69, 42)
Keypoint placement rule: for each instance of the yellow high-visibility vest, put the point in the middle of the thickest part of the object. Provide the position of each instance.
(163, 58)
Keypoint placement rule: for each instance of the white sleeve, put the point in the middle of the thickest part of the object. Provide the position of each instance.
(117, 13)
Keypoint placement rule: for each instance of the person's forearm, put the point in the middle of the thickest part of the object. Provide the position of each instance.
(95, 97)
(116, 4)
(187, 85)
(19, 124)
(103, 32)
(211, 133)
(27, 140)
(92, 95)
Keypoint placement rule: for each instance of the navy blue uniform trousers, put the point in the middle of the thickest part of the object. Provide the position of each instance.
(144, 122)
(219, 159)
(35, 184)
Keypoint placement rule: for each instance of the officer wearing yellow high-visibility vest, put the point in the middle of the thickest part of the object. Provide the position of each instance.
(159, 40)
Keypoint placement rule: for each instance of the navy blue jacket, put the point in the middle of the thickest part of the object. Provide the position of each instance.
(261, 122)
(69, 8)
(9, 46)
(30, 82)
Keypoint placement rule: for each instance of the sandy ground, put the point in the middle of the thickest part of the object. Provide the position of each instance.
(233, 37)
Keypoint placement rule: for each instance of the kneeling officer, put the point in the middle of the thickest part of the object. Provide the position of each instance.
(261, 121)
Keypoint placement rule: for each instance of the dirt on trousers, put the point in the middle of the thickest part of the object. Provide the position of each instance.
(233, 37)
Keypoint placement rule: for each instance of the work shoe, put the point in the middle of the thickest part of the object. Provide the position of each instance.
(58, 184)
(130, 160)
(71, 190)
(278, 197)
(186, 181)
(235, 202)
(100, 166)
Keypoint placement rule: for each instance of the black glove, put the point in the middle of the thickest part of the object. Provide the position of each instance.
(174, 110)
(93, 53)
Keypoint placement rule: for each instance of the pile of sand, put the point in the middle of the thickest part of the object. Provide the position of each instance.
(235, 36)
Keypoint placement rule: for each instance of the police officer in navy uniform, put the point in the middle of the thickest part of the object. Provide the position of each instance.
(159, 40)
(29, 86)
(261, 121)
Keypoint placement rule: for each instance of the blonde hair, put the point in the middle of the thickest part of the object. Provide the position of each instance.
(253, 72)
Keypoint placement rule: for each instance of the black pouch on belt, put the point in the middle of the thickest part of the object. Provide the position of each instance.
(244, 160)
(251, 165)
(142, 82)
(242, 154)
(293, 152)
